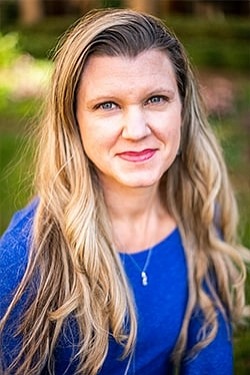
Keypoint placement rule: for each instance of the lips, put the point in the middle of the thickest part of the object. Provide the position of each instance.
(137, 156)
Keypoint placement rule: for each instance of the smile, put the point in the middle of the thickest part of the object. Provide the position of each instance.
(136, 157)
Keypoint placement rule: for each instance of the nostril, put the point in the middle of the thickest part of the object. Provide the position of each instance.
(135, 125)
(135, 132)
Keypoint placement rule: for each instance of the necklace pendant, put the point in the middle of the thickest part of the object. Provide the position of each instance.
(144, 278)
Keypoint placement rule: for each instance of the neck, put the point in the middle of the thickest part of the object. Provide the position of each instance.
(138, 217)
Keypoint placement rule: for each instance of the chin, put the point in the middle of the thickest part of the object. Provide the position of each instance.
(141, 183)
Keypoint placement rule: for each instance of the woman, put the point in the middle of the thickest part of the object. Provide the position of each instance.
(127, 261)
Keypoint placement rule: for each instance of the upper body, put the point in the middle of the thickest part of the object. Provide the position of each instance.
(129, 177)
(160, 308)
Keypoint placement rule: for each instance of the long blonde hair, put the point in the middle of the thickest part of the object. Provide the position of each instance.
(80, 273)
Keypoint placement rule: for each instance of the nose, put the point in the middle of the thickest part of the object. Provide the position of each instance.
(135, 125)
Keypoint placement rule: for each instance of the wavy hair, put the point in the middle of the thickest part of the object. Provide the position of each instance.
(79, 271)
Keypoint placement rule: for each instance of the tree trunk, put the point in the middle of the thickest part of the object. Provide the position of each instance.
(30, 11)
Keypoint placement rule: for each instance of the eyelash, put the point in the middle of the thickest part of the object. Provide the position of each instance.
(159, 101)
(148, 101)
(102, 105)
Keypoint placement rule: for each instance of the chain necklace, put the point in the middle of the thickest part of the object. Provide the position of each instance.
(143, 271)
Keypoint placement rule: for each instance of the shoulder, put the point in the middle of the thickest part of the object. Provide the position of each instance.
(14, 248)
(19, 231)
(20, 220)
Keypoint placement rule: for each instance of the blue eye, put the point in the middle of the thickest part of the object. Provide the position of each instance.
(107, 106)
(158, 99)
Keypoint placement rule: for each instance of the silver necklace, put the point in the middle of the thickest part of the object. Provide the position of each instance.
(143, 271)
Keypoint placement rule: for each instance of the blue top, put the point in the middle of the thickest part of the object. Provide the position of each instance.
(160, 309)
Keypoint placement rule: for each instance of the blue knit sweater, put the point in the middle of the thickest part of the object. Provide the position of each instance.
(160, 309)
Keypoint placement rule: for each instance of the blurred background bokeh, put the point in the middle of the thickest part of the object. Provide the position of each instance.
(216, 35)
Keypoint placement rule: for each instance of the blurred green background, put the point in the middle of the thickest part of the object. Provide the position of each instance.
(216, 35)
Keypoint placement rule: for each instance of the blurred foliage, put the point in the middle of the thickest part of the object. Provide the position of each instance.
(8, 12)
(219, 43)
(22, 85)
(9, 49)
(46, 32)
(16, 178)
(111, 3)
(22, 77)
(241, 351)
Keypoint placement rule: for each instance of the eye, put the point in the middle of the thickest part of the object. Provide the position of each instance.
(157, 99)
(106, 106)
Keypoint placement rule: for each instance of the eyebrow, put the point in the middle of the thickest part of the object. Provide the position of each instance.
(111, 97)
(100, 99)
(162, 90)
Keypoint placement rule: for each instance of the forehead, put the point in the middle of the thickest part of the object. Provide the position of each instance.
(114, 72)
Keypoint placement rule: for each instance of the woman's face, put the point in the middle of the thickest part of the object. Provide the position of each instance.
(129, 114)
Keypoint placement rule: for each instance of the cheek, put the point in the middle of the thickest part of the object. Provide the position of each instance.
(89, 133)
(99, 136)
(171, 129)
(172, 139)
(92, 150)
(96, 142)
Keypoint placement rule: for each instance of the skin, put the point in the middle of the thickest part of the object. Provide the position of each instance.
(129, 115)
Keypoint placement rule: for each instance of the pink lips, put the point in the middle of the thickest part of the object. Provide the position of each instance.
(135, 157)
